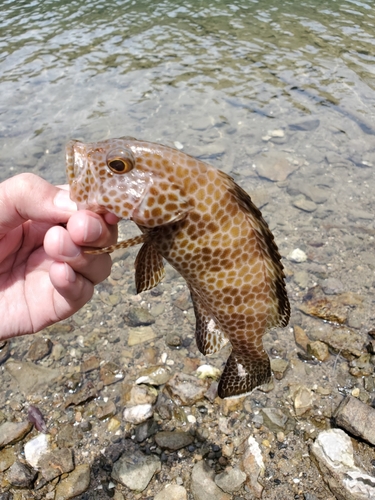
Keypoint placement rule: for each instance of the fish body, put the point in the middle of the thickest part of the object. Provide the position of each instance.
(206, 226)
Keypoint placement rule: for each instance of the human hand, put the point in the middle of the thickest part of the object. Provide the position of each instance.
(45, 276)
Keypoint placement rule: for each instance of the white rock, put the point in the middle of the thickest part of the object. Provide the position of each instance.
(172, 492)
(35, 448)
(276, 133)
(138, 414)
(297, 255)
(208, 371)
(178, 145)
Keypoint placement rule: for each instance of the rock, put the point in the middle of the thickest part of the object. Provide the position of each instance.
(172, 492)
(173, 440)
(302, 399)
(20, 475)
(154, 375)
(304, 204)
(139, 316)
(325, 308)
(301, 278)
(55, 463)
(361, 367)
(35, 448)
(203, 486)
(90, 364)
(138, 414)
(7, 458)
(75, 484)
(173, 339)
(305, 126)
(136, 470)
(274, 166)
(319, 350)
(302, 340)
(106, 410)
(86, 393)
(187, 388)
(142, 394)
(145, 430)
(230, 480)
(110, 373)
(253, 466)
(32, 378)
(333, 453)
(356, 418)
(342, 340)
(11, 432)
(274, 419)
(140, 335)
(39, 349)
(297, 255)
(68, 436)
(332, 286)
(208, 371)
(279, 367)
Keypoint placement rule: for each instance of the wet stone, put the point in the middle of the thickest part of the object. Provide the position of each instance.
(302, 399)
(274, 166)
(172, 492)
(140, 335)
(135, 470)
(11, 432)
(301, 278)
(253, 466)
(304, 204)
(319, 350)
(328, 309)
(203, 486)
(138, 414)
(300, 337)
(279, 367)
(106, 410)
(173, 440)
(187, 388)
(297, 255)
(305, 126)
(110, 373)
(36, 448)
(230, 480)
(341, 340)
(7, 458)
(139, 316)
(32, 378)
(20, 475)
(154, 375)
(332, 286)
(39, 349)
(146, 430)
(89, 364)
(361, 367)
(274, 419)
(75, 484)
(86, 393)
(68, 436)
(357, 418)
(56, 463)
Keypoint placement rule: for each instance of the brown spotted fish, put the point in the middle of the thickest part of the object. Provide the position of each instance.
(207, 228)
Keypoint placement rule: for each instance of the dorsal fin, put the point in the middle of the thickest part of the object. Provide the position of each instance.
(269, 249)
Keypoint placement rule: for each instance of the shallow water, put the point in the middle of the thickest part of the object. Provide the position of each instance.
(245, 86)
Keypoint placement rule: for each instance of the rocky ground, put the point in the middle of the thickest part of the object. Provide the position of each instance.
(117, 402)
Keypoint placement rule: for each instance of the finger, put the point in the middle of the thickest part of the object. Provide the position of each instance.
(59, 247)
(89, 229)
(27, 196)
(74, 288)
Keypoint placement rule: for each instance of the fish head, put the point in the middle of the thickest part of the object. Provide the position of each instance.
(125, 177)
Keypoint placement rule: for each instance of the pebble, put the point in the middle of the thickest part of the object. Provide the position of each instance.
(35, 448)
(208, 371)
(301, 278)
(110, 373)
(274, 419)
(90, 364)
(172, 492)
(7, 458)
(304, 204)
(138, 414)
(106, 410)
(319, 350)
(32, 378)
(139, 316)
(329, 309)
(142, 394)
(332, 286)
(135, 470)
(302, 400)
(145, 430)
(274, 166)
(203, 486)
(187, 388)
(279, 367)
(154, 375)
(333, 452)
(20, 475)
(253, 465)
(305, 126)
(173, 440)
(297, 255)
(357, 418)
(341, 340)
(302, 340)
(140, 335)
(230, 480)
(56, 463)
(76, 483)
(39, 349)
(11, 432)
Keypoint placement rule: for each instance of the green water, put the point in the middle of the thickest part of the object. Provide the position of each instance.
(208, 74)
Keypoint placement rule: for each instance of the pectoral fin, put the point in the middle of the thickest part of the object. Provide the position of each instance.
(137, 240)
(149, 268)
(209, 337)
(242, 374)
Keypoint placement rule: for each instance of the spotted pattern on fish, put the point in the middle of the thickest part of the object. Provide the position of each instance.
(206, 226)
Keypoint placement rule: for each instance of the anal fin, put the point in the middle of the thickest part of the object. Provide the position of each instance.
(137, 240)
(149, 268)
(243, 374)
(208, 336)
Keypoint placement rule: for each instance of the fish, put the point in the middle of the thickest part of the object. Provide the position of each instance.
(205, 225)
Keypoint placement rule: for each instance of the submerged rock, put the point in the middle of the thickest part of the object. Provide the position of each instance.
(187, 388)
(203, 486)
(136, 470)
(173, 440)
(172, 492)
(230, 480)
(20, 475)
(11, 432)
(357, 418)
(253, 465)
(76, 483)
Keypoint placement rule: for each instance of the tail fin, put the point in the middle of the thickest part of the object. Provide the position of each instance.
(242, 375)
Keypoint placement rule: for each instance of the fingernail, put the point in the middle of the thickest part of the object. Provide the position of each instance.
(92, 230)
(70, 275)
(63, 201)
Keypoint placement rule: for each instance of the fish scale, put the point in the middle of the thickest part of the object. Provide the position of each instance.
(206, 226)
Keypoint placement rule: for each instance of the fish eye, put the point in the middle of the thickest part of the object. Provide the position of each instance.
(120, 161)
